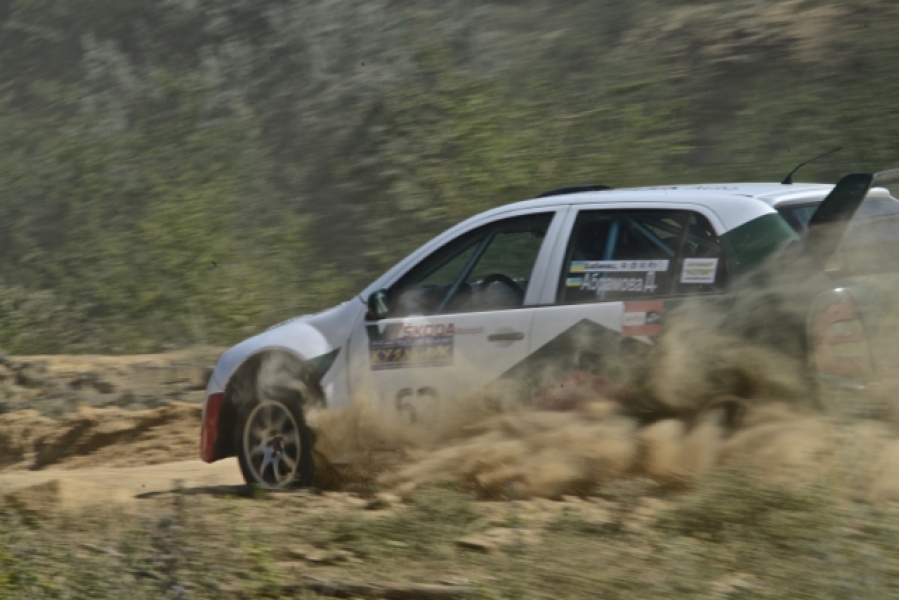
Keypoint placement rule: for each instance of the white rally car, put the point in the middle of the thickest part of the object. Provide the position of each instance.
(567, 279)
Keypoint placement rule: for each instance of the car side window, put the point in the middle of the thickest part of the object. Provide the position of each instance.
(798, 216)
(702, 264)
(488, 268)
(626, 255)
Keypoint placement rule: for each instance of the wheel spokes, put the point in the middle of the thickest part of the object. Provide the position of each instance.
(289, 462)
(266, 415)
(259, 434)
(272, 443)
(279, 423)
(266, 463)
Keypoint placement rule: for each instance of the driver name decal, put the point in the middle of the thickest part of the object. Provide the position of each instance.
(616, 276)
(405, 346)
(600, 284)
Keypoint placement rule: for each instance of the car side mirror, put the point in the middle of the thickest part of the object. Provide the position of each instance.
(377, 305)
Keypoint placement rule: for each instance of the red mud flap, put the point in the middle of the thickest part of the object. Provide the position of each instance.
(209, 428)
(576, 389)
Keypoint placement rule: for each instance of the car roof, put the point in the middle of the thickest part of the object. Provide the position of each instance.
(735, 203)
(711, 194)
(769, 193)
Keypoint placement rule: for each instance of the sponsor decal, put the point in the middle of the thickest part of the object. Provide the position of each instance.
(411, 352)
(401, 346)
(699, 270)
(642, 318)
(617, 266)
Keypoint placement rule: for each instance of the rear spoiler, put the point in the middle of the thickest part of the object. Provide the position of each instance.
(828, 223)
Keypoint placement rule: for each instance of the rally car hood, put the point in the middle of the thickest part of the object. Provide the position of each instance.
(316, 338)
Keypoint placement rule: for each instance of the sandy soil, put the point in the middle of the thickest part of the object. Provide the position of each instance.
(57, 489)
(98, 456)
(90, 437)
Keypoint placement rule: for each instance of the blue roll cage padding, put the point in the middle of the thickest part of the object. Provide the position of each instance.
(610, 247)
(652, 237)
(613, 240)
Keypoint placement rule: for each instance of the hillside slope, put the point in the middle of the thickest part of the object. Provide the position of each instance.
(189, 171)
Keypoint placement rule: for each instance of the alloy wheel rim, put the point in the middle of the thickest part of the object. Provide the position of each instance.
(271, 442)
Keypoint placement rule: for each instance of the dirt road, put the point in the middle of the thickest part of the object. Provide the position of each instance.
(80, 430)
(90, 451)
(53, 490)
(103, 456)
(101, 479)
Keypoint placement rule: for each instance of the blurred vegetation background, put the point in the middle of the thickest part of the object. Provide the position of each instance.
(190, 171)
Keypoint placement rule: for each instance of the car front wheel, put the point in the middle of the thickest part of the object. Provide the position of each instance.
(275, 444)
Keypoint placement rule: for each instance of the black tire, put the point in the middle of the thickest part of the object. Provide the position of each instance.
(274, 444)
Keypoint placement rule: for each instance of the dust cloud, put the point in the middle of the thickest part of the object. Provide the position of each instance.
(716, 399)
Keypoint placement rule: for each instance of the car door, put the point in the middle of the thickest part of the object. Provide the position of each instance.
(613, 280)
(457, 318)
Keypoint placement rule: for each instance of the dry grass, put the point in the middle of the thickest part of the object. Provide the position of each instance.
(734, 537)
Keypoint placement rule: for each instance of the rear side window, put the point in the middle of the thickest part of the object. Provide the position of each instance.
(702, 267)
(798, 216)
(756, 240)
(625, 255)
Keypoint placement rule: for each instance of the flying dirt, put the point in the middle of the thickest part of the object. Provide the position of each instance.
(526, 453)
(500, 448)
